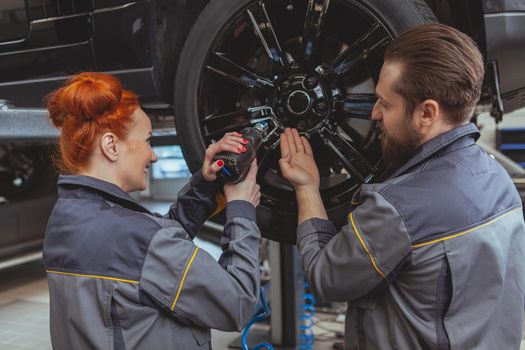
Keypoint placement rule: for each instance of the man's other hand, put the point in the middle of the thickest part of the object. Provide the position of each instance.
(297, 160)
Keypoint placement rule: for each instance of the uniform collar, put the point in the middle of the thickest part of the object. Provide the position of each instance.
(448, 140)
(108, 190)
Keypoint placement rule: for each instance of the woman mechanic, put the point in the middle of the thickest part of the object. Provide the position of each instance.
(119, 276)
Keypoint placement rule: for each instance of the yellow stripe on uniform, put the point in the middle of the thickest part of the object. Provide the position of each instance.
(464, 232)
(91, 276)
(364, 246)
(183, 278)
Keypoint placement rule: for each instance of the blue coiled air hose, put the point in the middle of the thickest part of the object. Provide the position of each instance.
(265, 312)
(306, 338)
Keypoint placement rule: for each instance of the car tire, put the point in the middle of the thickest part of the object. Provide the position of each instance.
(275, 223)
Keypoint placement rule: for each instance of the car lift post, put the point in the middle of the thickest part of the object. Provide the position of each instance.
(286, 294)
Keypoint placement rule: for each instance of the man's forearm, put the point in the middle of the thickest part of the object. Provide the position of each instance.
(310, 204)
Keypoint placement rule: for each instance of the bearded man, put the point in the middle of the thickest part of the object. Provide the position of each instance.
(434, 256)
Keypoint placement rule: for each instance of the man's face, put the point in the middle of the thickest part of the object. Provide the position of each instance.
(399, 136)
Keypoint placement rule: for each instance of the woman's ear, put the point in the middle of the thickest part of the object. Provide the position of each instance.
(109, 146)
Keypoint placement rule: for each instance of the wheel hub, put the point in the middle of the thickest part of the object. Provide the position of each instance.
(298, 102)
(301, 102)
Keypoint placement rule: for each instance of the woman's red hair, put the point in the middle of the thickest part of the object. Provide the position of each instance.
(88, 105)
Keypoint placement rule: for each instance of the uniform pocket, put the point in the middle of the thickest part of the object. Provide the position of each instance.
(202, 335)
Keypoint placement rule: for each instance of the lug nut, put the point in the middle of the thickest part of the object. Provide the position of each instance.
(320, 70)
(285, 86)
(321, 106)
(310, 82)
(279, 111)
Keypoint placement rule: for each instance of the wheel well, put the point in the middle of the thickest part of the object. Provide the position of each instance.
(171, 21)
(464, 15)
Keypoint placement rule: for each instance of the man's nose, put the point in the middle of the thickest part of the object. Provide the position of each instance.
(154, 157)
(376, 113)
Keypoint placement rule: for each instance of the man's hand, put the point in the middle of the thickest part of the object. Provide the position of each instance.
(246, 190)
(297, 160)
(298, 166)
(231, 142)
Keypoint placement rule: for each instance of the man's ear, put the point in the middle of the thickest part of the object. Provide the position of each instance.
(109, 146)
(426, 113)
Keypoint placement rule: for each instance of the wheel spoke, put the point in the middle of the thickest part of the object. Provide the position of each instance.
(231, 71)
(229, 127)
(350, 157)
(313, 27)
(264, 30)
(223, 117)
(358, 52)
(356, 106)
(351, 132)
(268, 161)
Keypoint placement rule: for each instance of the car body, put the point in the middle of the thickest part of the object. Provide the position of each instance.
(43, 42)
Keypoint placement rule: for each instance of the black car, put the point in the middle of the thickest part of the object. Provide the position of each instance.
(222, 64)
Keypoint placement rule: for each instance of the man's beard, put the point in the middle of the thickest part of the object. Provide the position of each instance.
(397, 150)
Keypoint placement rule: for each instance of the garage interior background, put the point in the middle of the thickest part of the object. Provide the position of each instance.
(141, 42)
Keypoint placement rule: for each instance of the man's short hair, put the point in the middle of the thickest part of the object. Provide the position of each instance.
(439, 63)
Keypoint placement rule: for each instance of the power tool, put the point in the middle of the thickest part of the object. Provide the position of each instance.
(236, 165)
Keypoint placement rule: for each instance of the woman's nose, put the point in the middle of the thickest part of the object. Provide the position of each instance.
(154, 157)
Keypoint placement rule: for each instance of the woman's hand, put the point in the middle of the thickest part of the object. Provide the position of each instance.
(297, 161)
(230, 142)
(246, 190)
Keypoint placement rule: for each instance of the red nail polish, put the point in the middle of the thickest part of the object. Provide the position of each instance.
(244, 140)
(220, 163)
(243, 149)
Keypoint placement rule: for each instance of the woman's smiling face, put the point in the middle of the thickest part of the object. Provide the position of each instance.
(135, 154)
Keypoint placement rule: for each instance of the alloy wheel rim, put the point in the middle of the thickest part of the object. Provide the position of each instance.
(289, 79)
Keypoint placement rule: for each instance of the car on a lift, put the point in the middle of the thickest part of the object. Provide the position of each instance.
(221, 64)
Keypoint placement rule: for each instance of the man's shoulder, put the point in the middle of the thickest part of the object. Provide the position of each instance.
(450, 174)
(449, 192)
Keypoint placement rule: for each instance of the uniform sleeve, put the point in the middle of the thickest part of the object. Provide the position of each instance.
(188, 283)
(195, 203)
(345, 266)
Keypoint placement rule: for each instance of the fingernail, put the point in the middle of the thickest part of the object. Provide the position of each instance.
(243, 149)
(244, 140)
(239, 150)
(220, 163)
